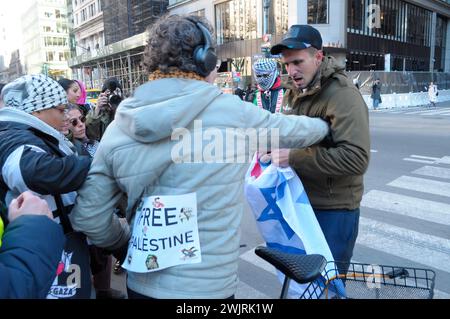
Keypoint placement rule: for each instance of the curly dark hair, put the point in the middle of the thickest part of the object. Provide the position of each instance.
(171, 43)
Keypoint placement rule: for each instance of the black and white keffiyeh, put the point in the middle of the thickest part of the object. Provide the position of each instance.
(31, 93)
(266, 73)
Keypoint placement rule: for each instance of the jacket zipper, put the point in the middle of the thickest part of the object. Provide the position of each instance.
(330, 185)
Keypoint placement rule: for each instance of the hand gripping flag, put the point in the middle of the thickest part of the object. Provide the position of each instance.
(286, 219)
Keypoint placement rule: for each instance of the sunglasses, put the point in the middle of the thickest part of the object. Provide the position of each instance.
(74, 122)
(263, 75)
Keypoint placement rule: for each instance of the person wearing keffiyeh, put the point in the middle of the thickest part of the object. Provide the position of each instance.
(36, 157)
(270, 93)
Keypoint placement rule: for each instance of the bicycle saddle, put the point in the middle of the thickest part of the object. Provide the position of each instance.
(302, 268)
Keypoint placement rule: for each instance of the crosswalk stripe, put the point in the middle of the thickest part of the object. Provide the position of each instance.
(421, 112)
(251, 257)
(421, 248)
(444, 160)
(422, 185)
(425, 157)
(418, 161)
(445, 113)
(408, 206)
(433, 171)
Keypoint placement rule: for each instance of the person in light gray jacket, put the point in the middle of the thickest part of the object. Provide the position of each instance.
(172, 138)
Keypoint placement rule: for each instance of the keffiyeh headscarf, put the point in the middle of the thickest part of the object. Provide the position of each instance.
(31, 93)
(266, 73)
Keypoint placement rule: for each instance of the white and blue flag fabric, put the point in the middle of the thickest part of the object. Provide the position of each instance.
(286, 219)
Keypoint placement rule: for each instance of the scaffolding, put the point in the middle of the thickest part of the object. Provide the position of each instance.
(127, 67)
(126, 18)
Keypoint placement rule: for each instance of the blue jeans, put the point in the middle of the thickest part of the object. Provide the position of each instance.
(376, 102)
(340, 228)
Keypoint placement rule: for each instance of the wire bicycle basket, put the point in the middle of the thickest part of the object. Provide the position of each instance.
(365, 281)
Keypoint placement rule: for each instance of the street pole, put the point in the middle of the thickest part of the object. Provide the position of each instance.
(266, 6)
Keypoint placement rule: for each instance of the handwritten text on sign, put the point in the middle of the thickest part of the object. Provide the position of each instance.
(165, 234)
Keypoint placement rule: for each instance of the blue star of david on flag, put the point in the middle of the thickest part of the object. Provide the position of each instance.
(273, 212)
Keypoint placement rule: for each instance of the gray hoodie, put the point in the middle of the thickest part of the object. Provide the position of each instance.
(140, 155)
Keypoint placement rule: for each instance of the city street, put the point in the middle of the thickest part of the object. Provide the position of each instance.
(405, 213)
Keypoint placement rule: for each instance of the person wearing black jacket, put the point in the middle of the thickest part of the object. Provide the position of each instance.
(34, 155)
(30, 249)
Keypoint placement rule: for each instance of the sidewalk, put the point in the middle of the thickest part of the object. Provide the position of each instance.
(384, 106)
(394, 101)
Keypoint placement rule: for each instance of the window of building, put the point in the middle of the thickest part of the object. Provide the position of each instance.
(236, 20)
(399, 21)
(49, 57)
(355, 15)
(278, 17)
(440, 49)
(200, 13)
(417, 22)
(92, 10)
(83, 15)
(317, 11)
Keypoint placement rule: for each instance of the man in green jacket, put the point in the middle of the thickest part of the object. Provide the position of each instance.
(331, 172)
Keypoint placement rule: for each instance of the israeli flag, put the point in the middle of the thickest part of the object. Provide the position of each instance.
(286, 219)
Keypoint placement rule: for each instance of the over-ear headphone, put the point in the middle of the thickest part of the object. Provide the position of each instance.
(204, 56)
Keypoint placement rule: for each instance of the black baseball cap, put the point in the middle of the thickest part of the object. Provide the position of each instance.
(299, 37)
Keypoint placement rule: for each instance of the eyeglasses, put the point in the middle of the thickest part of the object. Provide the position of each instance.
(74, 122)
(263, 75)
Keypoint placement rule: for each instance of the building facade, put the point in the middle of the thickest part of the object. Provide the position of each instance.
(391, 35)
(380, 35)
(15, 69)
(126, 18)
(125, 22)
(88, 26)
(241, 24)
(45, 33)
(398, 35)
